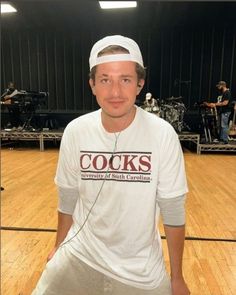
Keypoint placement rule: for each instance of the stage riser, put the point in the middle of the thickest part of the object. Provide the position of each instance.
(51, 136)
(217, 148)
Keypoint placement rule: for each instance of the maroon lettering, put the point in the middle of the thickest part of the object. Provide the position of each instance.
(117, 162)
(82, 160)
(129, 163)
(112, 162)
(145, 163)
(103, 162)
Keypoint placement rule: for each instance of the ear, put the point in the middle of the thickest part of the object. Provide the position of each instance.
(92, 85)
(140, 85)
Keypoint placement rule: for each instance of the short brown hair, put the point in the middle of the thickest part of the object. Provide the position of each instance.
(113, 49)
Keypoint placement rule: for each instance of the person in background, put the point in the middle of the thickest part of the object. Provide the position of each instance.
(224, 108)
(150, 104)
(8, 99)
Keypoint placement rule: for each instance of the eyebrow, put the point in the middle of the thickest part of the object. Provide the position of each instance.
(127, 76)
(122, 76)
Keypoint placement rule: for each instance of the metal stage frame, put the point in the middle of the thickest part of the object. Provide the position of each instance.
(50, 135)
(43, 136)
(211, 147)
(32, 136)
(57, 135)
(192, 137)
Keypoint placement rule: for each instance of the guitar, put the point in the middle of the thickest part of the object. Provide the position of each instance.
(7, 99)
(232, 125)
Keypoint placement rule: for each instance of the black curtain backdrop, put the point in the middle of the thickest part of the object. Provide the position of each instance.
(186, 60)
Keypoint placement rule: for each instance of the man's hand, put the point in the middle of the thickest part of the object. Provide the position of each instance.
(179, 286)
(212, 105)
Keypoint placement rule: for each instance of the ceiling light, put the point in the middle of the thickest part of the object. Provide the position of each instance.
(117, 4)
(7, 8)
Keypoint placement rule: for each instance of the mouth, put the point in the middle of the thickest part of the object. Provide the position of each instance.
(116, 102)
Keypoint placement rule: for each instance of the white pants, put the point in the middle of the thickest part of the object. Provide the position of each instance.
(65, 274)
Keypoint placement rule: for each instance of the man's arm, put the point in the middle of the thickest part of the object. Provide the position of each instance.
(173, 216)
(67, 199)
(64, 224)
(175, 236)
(223, 103)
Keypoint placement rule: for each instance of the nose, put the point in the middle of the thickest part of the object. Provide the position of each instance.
(115, 90)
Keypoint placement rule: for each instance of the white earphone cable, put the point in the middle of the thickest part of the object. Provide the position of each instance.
(98, 194)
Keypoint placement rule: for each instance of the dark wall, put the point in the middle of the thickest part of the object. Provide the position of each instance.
(51, 62)
(186, 49)
(189, 62)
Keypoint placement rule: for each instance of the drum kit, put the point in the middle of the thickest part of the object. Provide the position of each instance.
(171, 109)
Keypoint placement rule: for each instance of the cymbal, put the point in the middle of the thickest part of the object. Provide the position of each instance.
(174, 98)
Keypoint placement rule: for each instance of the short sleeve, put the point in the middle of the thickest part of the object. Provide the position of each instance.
(67, 170)
(172, 178)
(227, 96)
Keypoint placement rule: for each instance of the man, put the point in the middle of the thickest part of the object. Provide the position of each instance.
(14, 112)
(150, 104)
(9, 93)
(118, 168)
(224, 107)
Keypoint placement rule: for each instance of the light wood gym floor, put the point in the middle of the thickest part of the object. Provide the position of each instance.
(29, 201)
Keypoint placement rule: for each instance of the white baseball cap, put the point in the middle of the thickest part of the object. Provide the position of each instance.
(127, 43)
(148, 95)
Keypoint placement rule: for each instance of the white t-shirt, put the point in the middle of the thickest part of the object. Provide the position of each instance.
(120, 237)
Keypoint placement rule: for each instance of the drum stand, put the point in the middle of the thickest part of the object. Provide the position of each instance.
(207, 132)
(210, 124)
(26, 126)
(29, 111)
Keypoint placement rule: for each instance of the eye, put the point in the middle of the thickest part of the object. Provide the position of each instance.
(104, 81)
(126, 80)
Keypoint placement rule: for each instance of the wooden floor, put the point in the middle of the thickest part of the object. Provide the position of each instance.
(30, 201)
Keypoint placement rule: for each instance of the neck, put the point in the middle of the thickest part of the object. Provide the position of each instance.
(117, 124)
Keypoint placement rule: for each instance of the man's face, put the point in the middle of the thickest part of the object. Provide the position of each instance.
(11, 86)
(116, 86)
(221, 88)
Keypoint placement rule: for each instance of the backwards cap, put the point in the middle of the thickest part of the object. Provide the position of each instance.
(127, 43)
(221, 83)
